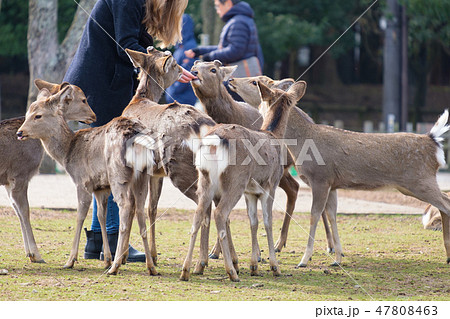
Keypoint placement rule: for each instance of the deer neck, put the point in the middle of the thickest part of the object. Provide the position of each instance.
(276, 119)
(58, 145)
(149, 88)
(222, 108)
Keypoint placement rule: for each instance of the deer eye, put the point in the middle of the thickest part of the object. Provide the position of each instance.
(254, 83)
(213, 70)
(37, 117)
(84, 101)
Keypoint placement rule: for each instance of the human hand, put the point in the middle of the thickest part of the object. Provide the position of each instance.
(189, 53)
(186, 76)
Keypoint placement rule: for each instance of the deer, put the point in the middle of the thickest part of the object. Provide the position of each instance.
(222, 108)
(111, 158)
(173, 121)
(20, 161)
(226, 178)
(247, 89)
(431, 218)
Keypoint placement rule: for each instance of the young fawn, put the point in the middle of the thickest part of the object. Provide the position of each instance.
(111, 158)
(228, 169)
(20, 160)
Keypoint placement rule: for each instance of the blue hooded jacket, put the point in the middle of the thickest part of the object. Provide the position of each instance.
(182, 92)
(101, 67)
(238, 39)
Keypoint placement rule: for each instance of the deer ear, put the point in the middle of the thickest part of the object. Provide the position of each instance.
(217, 63)
(228, 71)
(298, 89)
(43, 94)
(265, 92)
(164, 63)
(63, 97)
(41, 84)
(136, 57)
(284, 84)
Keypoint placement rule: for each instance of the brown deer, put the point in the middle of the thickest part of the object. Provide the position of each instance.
(247, 88)
(172, 123)
(226, 172)
(111, 158)
(20, 160)
(219, 104)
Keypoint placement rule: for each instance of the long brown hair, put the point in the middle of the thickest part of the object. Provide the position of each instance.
(163, 19)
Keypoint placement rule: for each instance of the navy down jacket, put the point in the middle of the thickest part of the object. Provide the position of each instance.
(238, 39)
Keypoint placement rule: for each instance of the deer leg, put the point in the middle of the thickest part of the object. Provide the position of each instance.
(18, 196)
(204, 202)
(102, 200)
(84, 202)
(290, 187)
(320, 196)
(428, 191)
(126, 213)
(216, 250)
(267, 204)
(221, 214)
(234, 256)
(252, 212)
(330, 209)
(155, 186)
(328, 233)
(204, 242)
(140, 194)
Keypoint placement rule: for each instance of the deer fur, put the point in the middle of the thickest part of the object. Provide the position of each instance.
(20, 160)
(111, 158)
(219, 104)
(431, 218)
(227, 181)
(247, 88)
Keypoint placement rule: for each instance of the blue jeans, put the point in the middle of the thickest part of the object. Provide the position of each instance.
(112, 217)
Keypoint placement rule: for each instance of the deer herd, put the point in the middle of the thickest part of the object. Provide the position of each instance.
(216, 156)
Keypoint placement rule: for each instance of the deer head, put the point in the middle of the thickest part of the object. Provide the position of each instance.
(210, 77)
(79, 109)
(159, 66)
(49, 111)
(248, 89)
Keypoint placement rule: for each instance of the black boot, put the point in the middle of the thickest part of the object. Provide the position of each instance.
(94, 245)
(133, 254)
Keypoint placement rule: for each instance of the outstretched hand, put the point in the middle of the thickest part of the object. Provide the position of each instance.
(186, 76)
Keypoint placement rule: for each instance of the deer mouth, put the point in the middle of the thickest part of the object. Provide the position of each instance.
(196, 82)
(232, 87)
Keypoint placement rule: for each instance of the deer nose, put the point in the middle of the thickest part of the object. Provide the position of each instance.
(194, 73)
(19, 133)
(231, 80)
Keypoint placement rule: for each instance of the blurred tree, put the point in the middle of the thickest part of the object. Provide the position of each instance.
(429, 40)
(47, 57)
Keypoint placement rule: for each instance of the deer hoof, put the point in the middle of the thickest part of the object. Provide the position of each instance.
(184, 275)
(152, 271)
(300, 265)
(330, 250)
(40, 261)
(448, 260)
(335, 264)
(213, 256)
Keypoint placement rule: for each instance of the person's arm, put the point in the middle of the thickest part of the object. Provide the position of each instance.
(127, 18)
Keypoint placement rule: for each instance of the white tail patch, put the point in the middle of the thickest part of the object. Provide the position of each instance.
(436, 133)
(212, 156)
(140, 155)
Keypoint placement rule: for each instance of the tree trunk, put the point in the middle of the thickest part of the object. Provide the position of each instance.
(48, 59)
(212, 24)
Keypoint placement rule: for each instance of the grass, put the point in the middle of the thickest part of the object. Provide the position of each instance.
(387, 257)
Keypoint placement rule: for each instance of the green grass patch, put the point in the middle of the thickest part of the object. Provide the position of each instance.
(387, 257)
